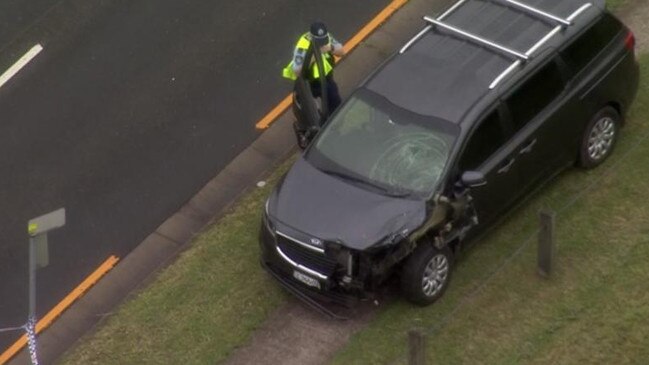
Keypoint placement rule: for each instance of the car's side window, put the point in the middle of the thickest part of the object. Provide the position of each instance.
(535, 94)
(486, 139)
(586, 47)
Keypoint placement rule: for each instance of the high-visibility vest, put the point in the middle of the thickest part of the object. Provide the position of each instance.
(327, 61)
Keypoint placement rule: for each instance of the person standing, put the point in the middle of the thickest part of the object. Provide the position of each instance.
(329, 47)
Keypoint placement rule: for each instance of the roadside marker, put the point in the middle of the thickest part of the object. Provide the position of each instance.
(269, 118)
(24, 60)
(61, 307)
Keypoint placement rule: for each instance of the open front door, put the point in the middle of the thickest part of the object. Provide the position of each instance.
(305, 106)
(308, 114)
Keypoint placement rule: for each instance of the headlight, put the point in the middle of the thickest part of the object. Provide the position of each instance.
(343, 255)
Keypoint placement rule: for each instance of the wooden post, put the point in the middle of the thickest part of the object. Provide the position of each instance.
(546, 249)
(417, 347)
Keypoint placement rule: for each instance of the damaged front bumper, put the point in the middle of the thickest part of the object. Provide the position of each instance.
(320, 301)
(324, 277)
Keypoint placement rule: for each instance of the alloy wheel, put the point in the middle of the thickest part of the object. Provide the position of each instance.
(435, 275)
(601, 138)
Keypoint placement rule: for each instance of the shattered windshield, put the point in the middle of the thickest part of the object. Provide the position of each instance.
(372, 141)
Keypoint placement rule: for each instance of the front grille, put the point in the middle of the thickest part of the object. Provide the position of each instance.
(313, 260)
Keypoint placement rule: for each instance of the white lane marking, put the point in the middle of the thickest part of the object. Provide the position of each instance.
(24, 60)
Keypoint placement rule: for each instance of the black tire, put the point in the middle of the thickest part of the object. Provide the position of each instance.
(599, 138)
(413, 283)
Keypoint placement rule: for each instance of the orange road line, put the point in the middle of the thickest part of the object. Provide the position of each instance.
(61, 307)
(372, 25)
(267, 120)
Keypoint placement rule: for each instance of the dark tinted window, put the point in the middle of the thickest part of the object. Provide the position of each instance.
(589, 44)
(535, 94)
(488, 138)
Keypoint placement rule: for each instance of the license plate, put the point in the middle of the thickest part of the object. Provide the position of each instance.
(306, 279)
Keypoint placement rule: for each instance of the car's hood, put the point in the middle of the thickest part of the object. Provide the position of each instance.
(330, 209)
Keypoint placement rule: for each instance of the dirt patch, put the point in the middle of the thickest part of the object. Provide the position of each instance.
(298, 335)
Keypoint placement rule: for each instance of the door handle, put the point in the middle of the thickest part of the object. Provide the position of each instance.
(528, 147)
(505, 168)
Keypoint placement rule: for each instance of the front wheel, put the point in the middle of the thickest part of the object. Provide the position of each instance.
(426, 274)
(599, 137)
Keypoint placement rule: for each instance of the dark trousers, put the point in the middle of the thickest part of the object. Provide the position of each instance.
(333, 96)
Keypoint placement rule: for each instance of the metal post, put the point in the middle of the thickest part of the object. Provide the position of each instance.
(32, 278)
(546, 249)
(37, 229)
(417, 348)
(31, 316)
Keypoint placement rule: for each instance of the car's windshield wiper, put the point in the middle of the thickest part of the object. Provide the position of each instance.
(381, 189)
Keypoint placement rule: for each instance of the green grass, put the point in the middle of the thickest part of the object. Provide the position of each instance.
(199, 309)
(616, 4)
(595, 307)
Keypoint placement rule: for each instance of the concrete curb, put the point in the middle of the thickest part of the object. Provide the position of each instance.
(271, 148)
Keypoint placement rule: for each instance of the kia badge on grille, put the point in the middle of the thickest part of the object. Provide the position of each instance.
(316, 242)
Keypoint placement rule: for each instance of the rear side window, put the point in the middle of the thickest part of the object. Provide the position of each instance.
(487, 139)
(534, 95)
(588, 45)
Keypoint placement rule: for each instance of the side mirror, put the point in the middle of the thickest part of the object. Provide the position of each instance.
(473, 179)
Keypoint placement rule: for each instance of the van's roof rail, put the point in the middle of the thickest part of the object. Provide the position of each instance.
(538, 45)
(477, 38)
(521, 57)
(535, 11)
(429, 27)
(515, 3)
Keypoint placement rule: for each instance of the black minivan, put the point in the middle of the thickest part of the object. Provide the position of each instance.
(489, 100)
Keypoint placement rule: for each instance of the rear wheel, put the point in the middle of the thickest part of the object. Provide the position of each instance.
(599, 137)
(426, 274)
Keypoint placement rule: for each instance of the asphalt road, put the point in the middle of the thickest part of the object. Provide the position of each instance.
(132, 106)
